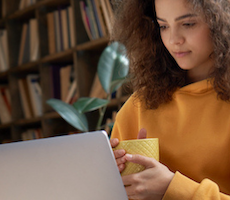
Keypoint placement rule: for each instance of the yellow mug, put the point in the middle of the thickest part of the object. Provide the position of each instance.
(146, 147)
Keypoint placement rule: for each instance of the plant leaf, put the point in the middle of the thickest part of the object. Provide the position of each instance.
(86, 104)
(116, 84)
(112, 65)
(69, 114)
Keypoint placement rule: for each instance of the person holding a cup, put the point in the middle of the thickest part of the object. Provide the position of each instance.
(179, 52)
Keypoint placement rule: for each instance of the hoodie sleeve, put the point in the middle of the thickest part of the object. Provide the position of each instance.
(182, 188)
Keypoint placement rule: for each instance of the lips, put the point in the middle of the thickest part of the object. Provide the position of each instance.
(181, 54)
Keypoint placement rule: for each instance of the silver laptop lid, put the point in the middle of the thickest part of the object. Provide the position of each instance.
(73, 167)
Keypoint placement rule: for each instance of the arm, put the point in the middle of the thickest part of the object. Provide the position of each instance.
(182, 187)
(157, 182)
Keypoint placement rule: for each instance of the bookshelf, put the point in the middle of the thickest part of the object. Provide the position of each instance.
(82, 54)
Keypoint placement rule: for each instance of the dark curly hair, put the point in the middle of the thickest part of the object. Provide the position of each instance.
(155, 75)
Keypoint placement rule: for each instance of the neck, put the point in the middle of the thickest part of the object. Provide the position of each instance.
(189, 79)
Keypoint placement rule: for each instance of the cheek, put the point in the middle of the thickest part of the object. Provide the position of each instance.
(202, 41)
(164, 40)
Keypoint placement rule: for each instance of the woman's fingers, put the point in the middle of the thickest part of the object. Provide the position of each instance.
(142, 134)
(119, 153)
(142, 160)
(114, 142)
(121, 160)
(121, 167)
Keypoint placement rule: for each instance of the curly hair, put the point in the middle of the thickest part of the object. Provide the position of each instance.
(155, 75)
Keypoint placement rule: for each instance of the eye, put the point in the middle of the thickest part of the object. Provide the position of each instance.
(163, 27)
(188, 25)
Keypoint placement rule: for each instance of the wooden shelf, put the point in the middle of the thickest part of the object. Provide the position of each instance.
(5, 126)
(51, 115)
(52, 3)
(64, 56)
(25, 122)
(31, 66)
(3, 75)
(83, 56)
(91, 45)
(24, 13)
(28, 11)
(2, 23)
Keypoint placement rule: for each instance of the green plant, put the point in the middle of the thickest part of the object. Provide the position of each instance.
(112, 69)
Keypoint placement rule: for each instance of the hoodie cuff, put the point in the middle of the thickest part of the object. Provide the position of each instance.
(180, 188)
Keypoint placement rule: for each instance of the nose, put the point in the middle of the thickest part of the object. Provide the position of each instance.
(176, 37)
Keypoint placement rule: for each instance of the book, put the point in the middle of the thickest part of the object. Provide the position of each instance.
(5, 115)
(26, 50)
(68, 27)
(22, 4)
(99, 16)
(34, 43)
(73, 93)
(34, 93)
(32, 134)
(51, 33)
(57, 31)
(3, 10)
(25, 98)
(92, 23)
(3, 64)
(71, 26)
(92, 18)
(54, 74)
(110, 10)
(106, 15)
(5, 50)
(22, 43)
(6, 98)
(65, 34)
(60, 28)
(65, 81)
(27, 135)
(85, 20)
(97, 90)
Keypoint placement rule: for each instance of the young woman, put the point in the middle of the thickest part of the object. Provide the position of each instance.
(179, 52)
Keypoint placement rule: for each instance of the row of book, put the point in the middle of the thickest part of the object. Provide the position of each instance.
(31, 95)
(60, 29)
(29, 44)
(97, 16)
(32, 134)
(4, 56)
(5, 105)
(25, 3)
(63, 83)
(3, 10)
(22, 4)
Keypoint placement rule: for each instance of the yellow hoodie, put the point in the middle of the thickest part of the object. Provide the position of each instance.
(194, 138)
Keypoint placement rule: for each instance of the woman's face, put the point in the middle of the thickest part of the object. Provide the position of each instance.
(186, 36)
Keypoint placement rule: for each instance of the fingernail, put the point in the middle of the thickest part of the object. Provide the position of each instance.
(129, 156)
(122, 152)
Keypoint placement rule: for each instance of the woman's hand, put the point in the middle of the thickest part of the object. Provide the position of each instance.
(118, 154)
(150, 184)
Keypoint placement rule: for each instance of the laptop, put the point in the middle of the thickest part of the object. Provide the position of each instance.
(72, 167)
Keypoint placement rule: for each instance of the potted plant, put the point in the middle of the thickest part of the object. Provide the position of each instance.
(112, 70)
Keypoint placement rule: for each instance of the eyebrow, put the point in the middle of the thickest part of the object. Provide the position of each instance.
(179, 18)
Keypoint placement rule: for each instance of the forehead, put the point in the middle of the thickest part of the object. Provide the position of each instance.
(172, 8)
